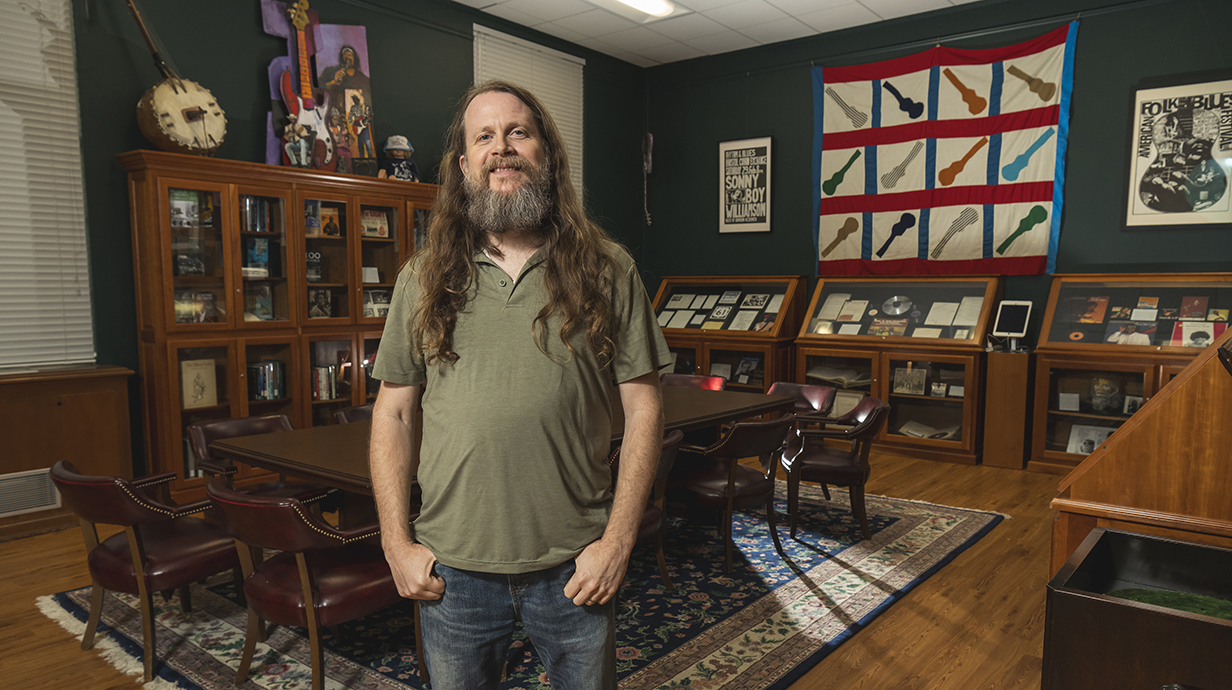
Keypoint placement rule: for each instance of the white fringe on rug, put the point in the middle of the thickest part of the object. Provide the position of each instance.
(107, 648)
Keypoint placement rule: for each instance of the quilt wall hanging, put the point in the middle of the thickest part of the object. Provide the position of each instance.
(944, 162)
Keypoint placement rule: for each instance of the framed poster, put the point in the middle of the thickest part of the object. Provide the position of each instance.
(744, 185)
(1179, 155)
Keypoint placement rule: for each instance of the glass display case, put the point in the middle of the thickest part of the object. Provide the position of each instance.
(739, 328)
(1108, 344)
(241, 269)
(916, 343)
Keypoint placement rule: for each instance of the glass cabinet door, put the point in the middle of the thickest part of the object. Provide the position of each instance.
(688, 358)
(380, 252)
(927, 395)
(328, 259)
(851, 373)
(266, 375)
(1086, 404)
(369, 343)
(746, 368)
(197, 255)
(264, 254)
(330, 377)
(419, 216)
(202, 378)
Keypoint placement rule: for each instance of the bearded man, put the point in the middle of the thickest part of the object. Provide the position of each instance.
(503, 342)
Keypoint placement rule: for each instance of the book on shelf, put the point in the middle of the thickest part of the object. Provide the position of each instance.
(258, 302)
(324, 382)
(841, 378)
(374, 223)
(376, 303)
(184, 205)
(257, 214)
(198, 386)
(256, 258)
(330, 224)
(312, 218)
(195, 306)
(320, 303)
(316, 268)
(921, 430)
(267, 380)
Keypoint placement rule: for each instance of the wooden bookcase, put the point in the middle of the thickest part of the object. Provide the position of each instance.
(246, 305)
(737, 327)
(1087, 387)
(871, 335)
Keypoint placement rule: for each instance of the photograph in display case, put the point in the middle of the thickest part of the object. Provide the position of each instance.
(909, 381)
(320, 303)
(374, 223)
(1084, 439)
(198, 385)
(331, 226)
(1132, 403)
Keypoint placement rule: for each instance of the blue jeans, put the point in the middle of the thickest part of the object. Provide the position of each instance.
(467, 631)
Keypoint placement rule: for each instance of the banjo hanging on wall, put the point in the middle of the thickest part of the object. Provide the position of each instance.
(177, 114)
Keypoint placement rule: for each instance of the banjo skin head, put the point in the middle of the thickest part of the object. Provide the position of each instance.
(182, 116)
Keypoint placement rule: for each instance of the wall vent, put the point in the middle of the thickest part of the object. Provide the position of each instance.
(27, 492)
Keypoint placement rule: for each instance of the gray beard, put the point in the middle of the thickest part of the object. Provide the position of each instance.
(497, 213)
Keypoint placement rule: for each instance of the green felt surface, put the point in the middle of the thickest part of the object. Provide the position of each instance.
(1181, 601)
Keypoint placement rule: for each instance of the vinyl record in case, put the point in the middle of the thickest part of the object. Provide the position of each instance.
(896, 305)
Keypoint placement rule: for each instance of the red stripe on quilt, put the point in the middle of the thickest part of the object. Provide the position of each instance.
(932, 198)
(943, 129)
(1011, 266)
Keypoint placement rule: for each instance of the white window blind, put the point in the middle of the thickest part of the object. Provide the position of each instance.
(553, 76)
(44, 281)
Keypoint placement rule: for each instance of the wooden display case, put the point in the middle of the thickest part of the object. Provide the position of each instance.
(1108, 344)
(740, 328)
(916, 343)
(258, 288)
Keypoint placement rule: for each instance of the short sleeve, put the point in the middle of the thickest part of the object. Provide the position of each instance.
(640, 347)
(397, 361)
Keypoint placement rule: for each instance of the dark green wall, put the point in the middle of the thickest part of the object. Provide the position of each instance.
(767, 92)
(421, 57)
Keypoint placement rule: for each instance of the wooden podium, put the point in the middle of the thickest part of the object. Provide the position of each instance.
(1167, 471)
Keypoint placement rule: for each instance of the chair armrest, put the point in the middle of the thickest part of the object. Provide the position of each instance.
(831, 432)
(697, 450)
(317, 495)
(216, 469)
(361, 532)
(153, 480)
(191, 508)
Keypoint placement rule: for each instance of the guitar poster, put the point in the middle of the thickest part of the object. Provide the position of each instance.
(943, 162)
(1179, 165)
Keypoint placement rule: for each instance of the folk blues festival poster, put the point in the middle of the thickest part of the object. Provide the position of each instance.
(944, 162)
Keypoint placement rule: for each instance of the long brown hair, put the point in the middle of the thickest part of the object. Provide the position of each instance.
(578, 269)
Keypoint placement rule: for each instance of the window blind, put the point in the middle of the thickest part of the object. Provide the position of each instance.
(553, 76)
(44, 280)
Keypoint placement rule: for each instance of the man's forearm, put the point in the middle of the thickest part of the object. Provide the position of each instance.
(391, 464)
(639, 462)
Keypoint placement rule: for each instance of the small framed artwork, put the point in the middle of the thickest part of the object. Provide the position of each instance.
(939, 390)
(1132, 403)
(909, 381)
(744, 185)
(1180, 153)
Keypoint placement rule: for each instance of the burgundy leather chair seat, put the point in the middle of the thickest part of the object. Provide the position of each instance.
(826, 464)
(707, 484)
(352, 581)
(177, 551)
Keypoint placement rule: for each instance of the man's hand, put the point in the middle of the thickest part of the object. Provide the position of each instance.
(600, 570)
(411, 564)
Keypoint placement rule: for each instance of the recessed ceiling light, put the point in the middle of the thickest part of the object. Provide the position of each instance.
(655, 8)
(643, 11)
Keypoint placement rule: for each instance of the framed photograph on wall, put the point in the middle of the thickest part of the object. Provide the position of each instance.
(1180, 149)
(744, 185)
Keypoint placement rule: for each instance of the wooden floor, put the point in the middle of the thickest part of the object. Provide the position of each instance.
(977, 624)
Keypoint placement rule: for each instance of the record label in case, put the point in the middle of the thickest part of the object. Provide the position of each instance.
(896, 305)
(1076, 335)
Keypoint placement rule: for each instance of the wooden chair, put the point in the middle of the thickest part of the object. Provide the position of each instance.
(357, 413)
(811, 401)
(322, 577)
(713, 383)
(718, 480)
(160, 550)
(808, 458)
(202, 434)
(654, 518)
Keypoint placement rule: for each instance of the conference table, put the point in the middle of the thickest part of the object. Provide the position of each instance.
(337, 454)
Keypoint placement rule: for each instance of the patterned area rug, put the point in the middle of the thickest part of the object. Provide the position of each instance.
(761, 627)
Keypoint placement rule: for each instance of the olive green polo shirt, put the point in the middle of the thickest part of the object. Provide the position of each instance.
(513, 462)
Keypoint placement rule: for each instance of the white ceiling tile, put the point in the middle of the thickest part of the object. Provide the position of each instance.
(722, 43)
(841, 17)
(798, 7)
(595, 23)
(639, 60)
(781, 30)
(688, 26)
(560, 32)
(890, 9)
(515, 16)
(479, 4)
(746, 13)
(672, 52)
(961, 2)
(549, 10)
(636, 40)
(703, 5)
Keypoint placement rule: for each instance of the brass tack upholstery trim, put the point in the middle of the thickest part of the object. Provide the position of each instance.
(173, 513)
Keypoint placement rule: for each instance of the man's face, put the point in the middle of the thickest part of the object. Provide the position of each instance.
(504, 148)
